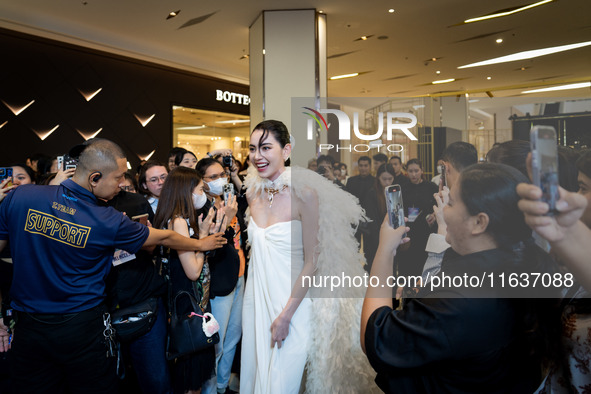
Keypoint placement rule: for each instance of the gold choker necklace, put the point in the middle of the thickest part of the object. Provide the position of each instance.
(271, 193)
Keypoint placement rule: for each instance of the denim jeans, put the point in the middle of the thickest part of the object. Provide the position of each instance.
(228, 312)
(148, 356)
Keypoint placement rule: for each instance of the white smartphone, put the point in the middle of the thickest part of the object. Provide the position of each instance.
(394, 205)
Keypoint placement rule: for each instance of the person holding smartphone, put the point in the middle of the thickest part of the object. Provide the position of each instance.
(227, 268)
(463, 338)
(181, 196)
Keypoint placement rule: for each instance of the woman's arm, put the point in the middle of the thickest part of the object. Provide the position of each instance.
(192, 262)
(382, 268)
(308, 210)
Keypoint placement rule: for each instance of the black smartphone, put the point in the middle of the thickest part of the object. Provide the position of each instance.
(6, 172)
(443, 175)
(394, 205)
(544, 154)
(228, 191)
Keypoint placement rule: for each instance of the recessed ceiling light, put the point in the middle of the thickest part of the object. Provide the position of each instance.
(443, 81)
(528, 54)
(173, 14)
(344, 76)
(506, 13)
(391, 10)
(489, 78)
(321, 12)
(364, 38)
(434, 59)
(561, 87)
(499, 40)
(437, 72)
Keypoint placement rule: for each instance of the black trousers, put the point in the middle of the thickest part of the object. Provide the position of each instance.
(62, 354)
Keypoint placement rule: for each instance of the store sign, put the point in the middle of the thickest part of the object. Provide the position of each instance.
(231, 97)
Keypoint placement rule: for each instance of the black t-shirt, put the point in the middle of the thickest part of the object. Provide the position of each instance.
(136, 280)
(445, 341)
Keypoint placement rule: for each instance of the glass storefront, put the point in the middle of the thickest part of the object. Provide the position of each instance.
(201, 131)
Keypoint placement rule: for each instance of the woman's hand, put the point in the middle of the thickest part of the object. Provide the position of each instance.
(230, 208)
(442, 198)
(62, 176)
(391, 238)
(553, 228)
(5, 189)
(279, 331)
(206, 225)
(221, 221)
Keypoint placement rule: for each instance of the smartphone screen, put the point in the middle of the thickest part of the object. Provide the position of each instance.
(143, 219)
(443, 175)
(6, 172)
(545, 163)
(394, 205)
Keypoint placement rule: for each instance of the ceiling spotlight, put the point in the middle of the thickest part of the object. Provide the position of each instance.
(391, 10)
(489, 78)
(173, 14)
(499, 40)
(434, 59)
(437, 72)
(364, 38)
(321, 12)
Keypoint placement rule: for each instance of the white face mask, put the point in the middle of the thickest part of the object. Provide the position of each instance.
(199, 200)
(216, 187)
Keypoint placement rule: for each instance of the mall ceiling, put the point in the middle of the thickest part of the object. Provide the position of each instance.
(401, 56)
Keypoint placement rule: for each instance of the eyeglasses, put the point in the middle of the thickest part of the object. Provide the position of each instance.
(156, 179)
(217, 176)
(128, 188)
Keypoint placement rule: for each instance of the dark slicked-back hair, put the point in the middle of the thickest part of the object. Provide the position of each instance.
(460, 154)
(584, 163)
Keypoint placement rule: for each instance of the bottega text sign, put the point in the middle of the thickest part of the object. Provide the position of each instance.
(344, 128)
(231, 97)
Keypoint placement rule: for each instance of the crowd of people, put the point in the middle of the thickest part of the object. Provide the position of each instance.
(81, 244)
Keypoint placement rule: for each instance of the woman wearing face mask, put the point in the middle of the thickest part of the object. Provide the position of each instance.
(227, 274)
(180, 197)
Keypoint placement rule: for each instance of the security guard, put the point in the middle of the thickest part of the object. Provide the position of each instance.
(62, 244)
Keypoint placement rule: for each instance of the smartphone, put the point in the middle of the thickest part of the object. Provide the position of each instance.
(394, 205)
(443, 175)
(143, 219)
(60, 163)
(544, 153)
(66, 162)
(228, 191)
(6, 172)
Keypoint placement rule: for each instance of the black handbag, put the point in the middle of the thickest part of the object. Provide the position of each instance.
(186, 334)
(134, 321)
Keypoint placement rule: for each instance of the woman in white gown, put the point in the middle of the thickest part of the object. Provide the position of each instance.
(284, 331)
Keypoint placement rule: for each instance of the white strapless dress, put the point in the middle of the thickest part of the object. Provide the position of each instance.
(277, 258)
